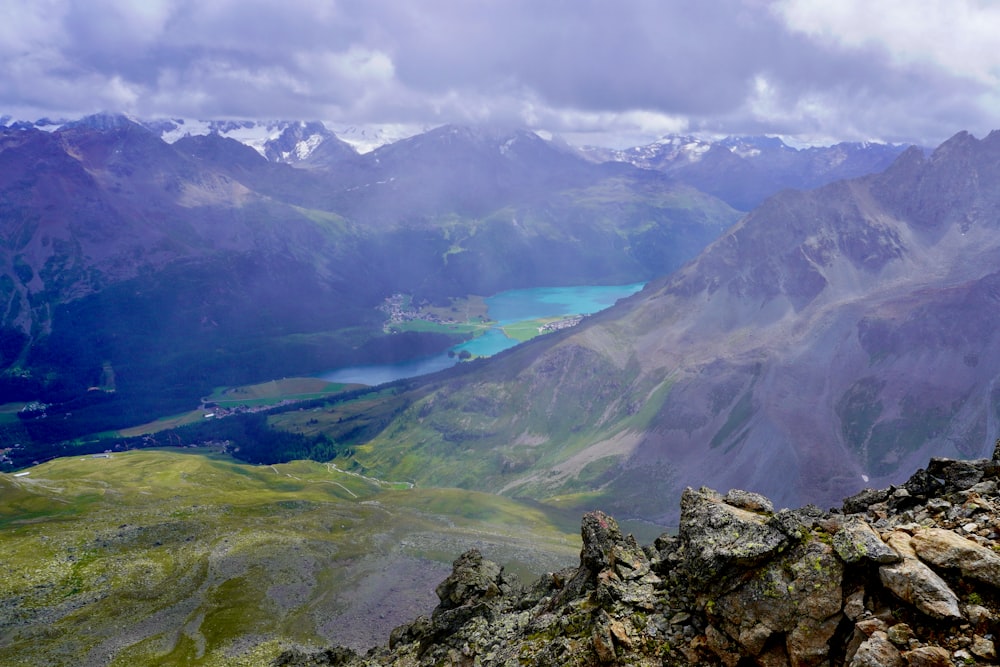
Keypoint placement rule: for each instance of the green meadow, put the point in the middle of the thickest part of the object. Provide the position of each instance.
(187, 557)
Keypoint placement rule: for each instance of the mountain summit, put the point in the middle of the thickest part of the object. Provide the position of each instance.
(902, 576)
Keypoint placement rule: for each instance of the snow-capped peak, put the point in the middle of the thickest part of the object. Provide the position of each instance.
(366, 138)
(255, 134)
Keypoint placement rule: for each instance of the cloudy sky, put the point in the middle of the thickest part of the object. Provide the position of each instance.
(597, 71)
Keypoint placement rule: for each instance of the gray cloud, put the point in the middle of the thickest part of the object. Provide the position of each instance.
(584, 67)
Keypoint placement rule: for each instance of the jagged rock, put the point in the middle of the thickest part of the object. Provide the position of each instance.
(603, 642)
(877, 651)
(983, 648)
(928, 656)
(336, 656)
(473, 578)
(863, 499)
(748, 500)
(474, 591)
(718, 537)
(600, 534)
(945, 549)
(854, 605)
(900, 634)
(922, 484)
(856, 541)
(956, 474)
(797, 595)
(411, 632)
(739, 585)
(791, 523)
(912, 581)
(613, 565)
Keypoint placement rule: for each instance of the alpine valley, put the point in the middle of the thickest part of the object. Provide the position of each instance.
(161, 271)
(800, 344)
(138, 274)
(830, 339)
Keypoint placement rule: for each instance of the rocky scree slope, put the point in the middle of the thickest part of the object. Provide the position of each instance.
(906, 575)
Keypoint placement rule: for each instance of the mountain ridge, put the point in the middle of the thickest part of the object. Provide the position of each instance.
(777, 359)
(187, 265)
(745, 170)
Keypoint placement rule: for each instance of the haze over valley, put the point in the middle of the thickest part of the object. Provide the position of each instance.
(297, 306)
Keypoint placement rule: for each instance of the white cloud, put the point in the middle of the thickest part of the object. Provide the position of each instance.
(360, 64)
(605, 128)
(613, 73)
(121, 95)
(28, 26)
(959, 36)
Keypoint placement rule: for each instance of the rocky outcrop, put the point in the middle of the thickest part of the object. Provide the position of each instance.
(908, 576)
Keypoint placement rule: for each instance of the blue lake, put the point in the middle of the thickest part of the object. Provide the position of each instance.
(504, 308)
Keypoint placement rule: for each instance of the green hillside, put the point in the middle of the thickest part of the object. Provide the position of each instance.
(187, 558)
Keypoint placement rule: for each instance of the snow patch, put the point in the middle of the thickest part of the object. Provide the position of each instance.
(304, 149)
(252, 133)
(745, 151)
(185, 128)
(366, 138)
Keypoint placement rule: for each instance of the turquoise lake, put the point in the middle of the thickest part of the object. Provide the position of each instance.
(504, 308)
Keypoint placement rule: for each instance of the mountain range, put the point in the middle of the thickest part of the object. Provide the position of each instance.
(740, 170)
(744, 171)
(185, 265)
(831, 339)
(828, 340)
(161, 270)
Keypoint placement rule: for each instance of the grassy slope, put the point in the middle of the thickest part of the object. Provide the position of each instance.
(188, 558)
(501, 434)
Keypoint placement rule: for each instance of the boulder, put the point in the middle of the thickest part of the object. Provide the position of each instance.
(947, 550)
(983, 648)
(718, 538)
(473, 579)
(928, 656)
(797, 596)
(957, 474)
(856, 541)
(600, 534)
(748, 500)
(913, 582)
(877, 651)
(922, 484)
(863, 499)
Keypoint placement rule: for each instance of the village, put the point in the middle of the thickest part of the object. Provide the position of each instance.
(558, 325)
(399, 308)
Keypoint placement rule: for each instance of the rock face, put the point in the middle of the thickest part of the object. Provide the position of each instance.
(903, 577)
